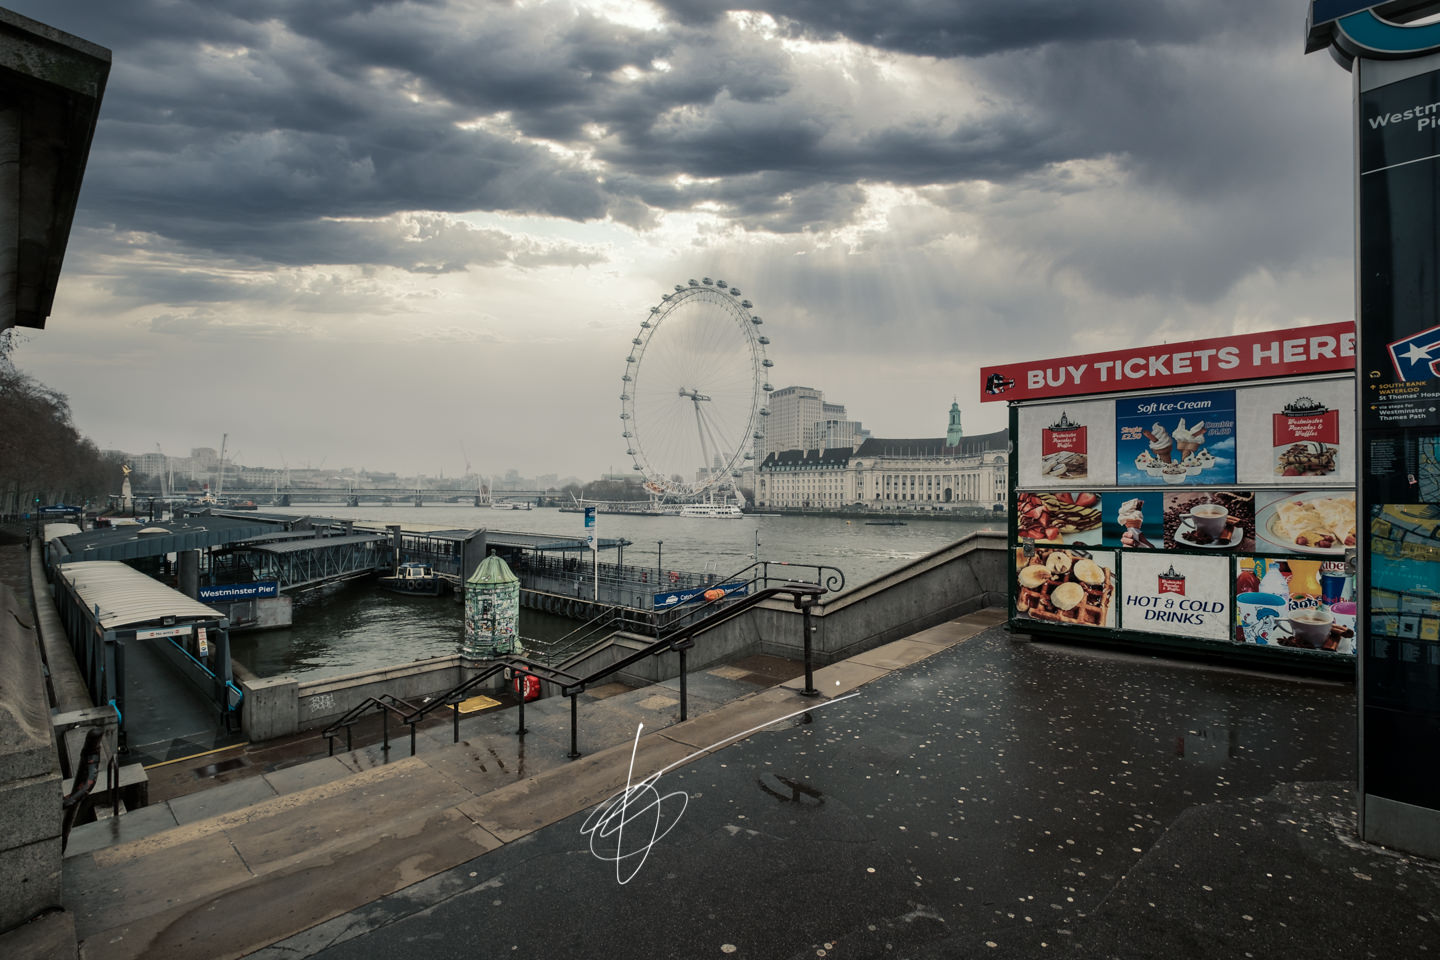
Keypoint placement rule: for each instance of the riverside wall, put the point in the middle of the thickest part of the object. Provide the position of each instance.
(942, 585)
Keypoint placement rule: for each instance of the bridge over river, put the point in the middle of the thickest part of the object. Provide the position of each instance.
(417, 496)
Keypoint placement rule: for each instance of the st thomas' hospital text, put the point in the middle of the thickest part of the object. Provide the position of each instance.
(1178, 364)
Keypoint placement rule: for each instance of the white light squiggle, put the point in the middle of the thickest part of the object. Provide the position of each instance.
(606, 824)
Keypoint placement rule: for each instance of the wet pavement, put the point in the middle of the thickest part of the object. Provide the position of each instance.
(1000, 798)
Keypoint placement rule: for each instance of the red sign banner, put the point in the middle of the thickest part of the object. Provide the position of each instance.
(1319, 428)
(1324, 348)
(1062, 441)
(1171, 585)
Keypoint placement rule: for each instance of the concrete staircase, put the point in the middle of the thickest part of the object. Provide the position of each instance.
(229, 870)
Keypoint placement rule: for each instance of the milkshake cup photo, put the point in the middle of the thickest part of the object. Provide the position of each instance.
(1259, 615)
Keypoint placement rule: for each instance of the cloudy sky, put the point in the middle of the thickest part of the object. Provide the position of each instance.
(369, 233)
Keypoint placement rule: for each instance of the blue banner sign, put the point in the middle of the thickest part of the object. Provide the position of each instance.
(240, 591)
(590, 527)
(677, 597)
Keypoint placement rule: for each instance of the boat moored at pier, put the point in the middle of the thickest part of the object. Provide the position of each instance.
(415, 579)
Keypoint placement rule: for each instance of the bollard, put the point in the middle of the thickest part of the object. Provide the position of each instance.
(521, 731)
(574, 745)
(809, 690)
(683, 702)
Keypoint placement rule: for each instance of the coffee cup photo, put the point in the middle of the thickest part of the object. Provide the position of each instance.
(1311, 626)
(1207, 518)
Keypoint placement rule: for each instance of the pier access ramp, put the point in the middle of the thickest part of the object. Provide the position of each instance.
(178, 683)
(308, 563)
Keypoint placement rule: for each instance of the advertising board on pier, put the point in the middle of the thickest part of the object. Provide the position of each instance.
(1200, 494)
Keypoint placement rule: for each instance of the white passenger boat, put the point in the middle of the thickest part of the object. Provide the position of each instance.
(711, 511)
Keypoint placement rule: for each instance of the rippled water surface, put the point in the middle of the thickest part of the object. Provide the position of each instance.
(360, 627)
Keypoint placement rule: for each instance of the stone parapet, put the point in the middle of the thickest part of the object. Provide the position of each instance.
(30, 786)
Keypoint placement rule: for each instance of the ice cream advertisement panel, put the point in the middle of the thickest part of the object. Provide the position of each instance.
(1176, 439)
(1299, 429)
(1067, 444)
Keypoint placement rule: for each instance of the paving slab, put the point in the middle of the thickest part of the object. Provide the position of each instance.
(221, 799)
(897, 654)
(47, 937)
(274, 842)
(522, 808)
(736, 718)
(302, 776)
(250, 915)
(101, 888)
(838, 678)
(131, 825)
(482, 764)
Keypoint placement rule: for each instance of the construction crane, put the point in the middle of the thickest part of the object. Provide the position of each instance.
(220, 485)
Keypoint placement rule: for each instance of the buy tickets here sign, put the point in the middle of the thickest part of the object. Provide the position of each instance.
(1325, 348)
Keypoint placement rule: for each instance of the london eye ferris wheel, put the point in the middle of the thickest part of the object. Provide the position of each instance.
(694, 394)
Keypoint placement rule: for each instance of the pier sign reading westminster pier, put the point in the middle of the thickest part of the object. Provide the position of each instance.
(1393, 52)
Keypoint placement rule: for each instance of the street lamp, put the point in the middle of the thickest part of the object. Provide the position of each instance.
(659, 565)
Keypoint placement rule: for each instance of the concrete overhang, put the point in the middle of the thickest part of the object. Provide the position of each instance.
(51, 84)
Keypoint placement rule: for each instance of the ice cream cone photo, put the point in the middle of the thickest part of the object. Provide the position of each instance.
(1188, 440)
(1161, 443)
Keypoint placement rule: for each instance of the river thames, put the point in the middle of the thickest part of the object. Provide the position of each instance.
(361, 627)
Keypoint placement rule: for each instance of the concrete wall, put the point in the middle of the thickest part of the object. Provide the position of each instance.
(943, 585)
(940, 586)
(30, 785)
(271, 707)
(321, 701)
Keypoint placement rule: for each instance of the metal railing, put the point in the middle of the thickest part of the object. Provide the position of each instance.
(678, 636)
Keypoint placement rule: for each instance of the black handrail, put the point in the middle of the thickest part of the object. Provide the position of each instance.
(681, 640)
(701, 618)
(607, 624)
(828, 583)
(385, 704)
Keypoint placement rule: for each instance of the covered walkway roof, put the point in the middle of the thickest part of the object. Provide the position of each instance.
(545, 541)
(268, 545)
(125, 597)
(174, 536)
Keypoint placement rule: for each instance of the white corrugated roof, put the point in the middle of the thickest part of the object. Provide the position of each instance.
(127, 597)
(53, 530)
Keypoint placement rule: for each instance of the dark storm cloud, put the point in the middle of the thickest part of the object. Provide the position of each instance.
(256, 128)
(977, 28)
